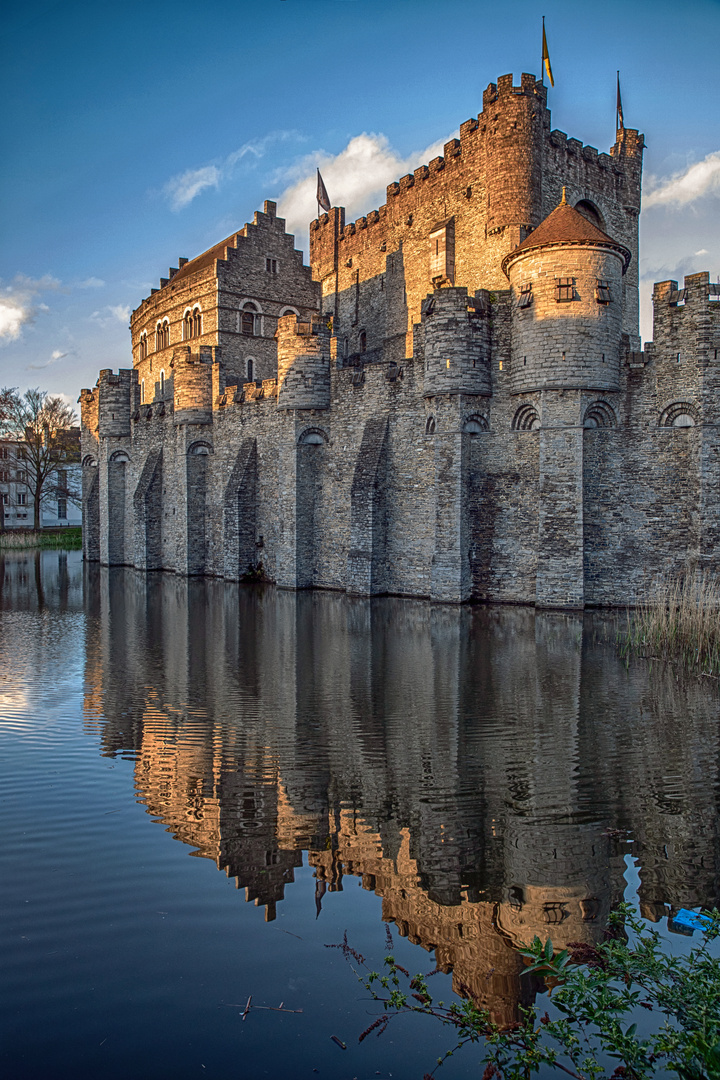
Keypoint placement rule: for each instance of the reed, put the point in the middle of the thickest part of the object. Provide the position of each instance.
(677, 621)
(14, 539)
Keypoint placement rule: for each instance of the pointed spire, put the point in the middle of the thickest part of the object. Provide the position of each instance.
(563, 201)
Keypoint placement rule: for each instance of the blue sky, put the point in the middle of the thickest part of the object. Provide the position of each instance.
(135, 133)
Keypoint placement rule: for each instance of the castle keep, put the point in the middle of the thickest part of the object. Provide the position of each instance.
(450, 402)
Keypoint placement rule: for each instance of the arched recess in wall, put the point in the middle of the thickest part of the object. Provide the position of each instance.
(679, 414)
(242, 550)
(116, 505)
(311, 530)
(475, 424)
(290, 311)
(526, 418)
(599, 415)
(590, 211)
(250, 369)
(313, 437)
(430, 425)
(91, 508)
(198, 454)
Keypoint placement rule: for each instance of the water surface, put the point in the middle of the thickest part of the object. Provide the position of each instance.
(468, 776)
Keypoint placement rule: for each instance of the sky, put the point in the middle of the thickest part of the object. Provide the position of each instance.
(137, 133)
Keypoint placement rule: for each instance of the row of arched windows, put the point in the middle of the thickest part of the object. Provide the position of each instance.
(250, 323)
(597, 415)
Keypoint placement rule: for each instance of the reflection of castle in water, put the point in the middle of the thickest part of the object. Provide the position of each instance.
(475, 768)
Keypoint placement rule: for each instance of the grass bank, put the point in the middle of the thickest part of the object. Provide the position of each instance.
(70, 538)
(677, 622)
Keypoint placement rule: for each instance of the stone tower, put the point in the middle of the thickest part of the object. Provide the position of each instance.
(566, 282)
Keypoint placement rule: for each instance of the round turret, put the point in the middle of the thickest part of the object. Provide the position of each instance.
(303, 351)
(456, 343)
(566, 281)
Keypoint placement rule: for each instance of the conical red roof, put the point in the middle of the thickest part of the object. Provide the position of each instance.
(565, 225)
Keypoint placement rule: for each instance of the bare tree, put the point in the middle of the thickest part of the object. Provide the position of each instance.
(44, 429)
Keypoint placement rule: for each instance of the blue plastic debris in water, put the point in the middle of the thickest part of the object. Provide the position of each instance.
(691, 919)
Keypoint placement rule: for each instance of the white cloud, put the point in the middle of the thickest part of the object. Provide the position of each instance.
(702, 251)
(182, 189)
(55, 356)
(110, 314)
(356, 178)
(18, 304)
(91, 283)
(702, 178)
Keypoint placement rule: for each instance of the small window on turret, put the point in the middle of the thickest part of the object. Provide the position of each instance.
(564, 289)
(602, 292)
(526, 295)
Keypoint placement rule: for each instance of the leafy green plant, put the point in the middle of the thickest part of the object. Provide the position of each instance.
(597, 994)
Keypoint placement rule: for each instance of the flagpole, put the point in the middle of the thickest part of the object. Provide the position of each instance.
(542, 58)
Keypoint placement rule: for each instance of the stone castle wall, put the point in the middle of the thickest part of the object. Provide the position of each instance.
(412, 426)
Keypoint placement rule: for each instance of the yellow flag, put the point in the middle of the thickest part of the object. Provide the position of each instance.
(546, 58)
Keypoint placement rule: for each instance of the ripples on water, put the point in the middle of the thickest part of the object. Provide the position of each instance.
(471, 776)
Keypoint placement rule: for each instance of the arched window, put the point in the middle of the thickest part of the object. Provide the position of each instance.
(162, 383)
(142, 391)
(590, 212)
(197, 322)
(599, 415)
(162, 335)
(679, 414)
(249, 320)
(313, 437)
(474, 425)
(363, 341)
(526, 418)
(430, 425)
(250, 369)
(187, 325)
(143, 346)
(289, 311)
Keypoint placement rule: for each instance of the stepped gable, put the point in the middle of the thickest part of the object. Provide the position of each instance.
(206, 259)
(566, 225)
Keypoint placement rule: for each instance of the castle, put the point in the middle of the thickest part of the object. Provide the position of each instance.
(451, 402)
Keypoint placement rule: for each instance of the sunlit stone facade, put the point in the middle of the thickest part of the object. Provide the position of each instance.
(449, 403)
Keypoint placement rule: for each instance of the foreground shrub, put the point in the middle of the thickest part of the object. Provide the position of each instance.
(597, 994)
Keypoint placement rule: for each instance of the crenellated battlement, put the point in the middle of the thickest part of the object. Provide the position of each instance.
(303, 364)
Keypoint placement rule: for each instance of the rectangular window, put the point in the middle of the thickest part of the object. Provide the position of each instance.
(271, 265)
(526, 295)
(62, 508)
(21, 498)
(442, 251)
(564, 288)
(602, 292)
(21, 476)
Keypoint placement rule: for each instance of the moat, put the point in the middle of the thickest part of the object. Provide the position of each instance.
(470, 776)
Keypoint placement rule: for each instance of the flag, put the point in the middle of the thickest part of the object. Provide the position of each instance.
(322, 195)
(546, 57)
(619, 122)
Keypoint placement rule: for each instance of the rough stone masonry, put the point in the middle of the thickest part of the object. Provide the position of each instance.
(450, 402)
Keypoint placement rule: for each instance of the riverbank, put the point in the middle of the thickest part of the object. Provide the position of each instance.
(677, 622)
(69, 538)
